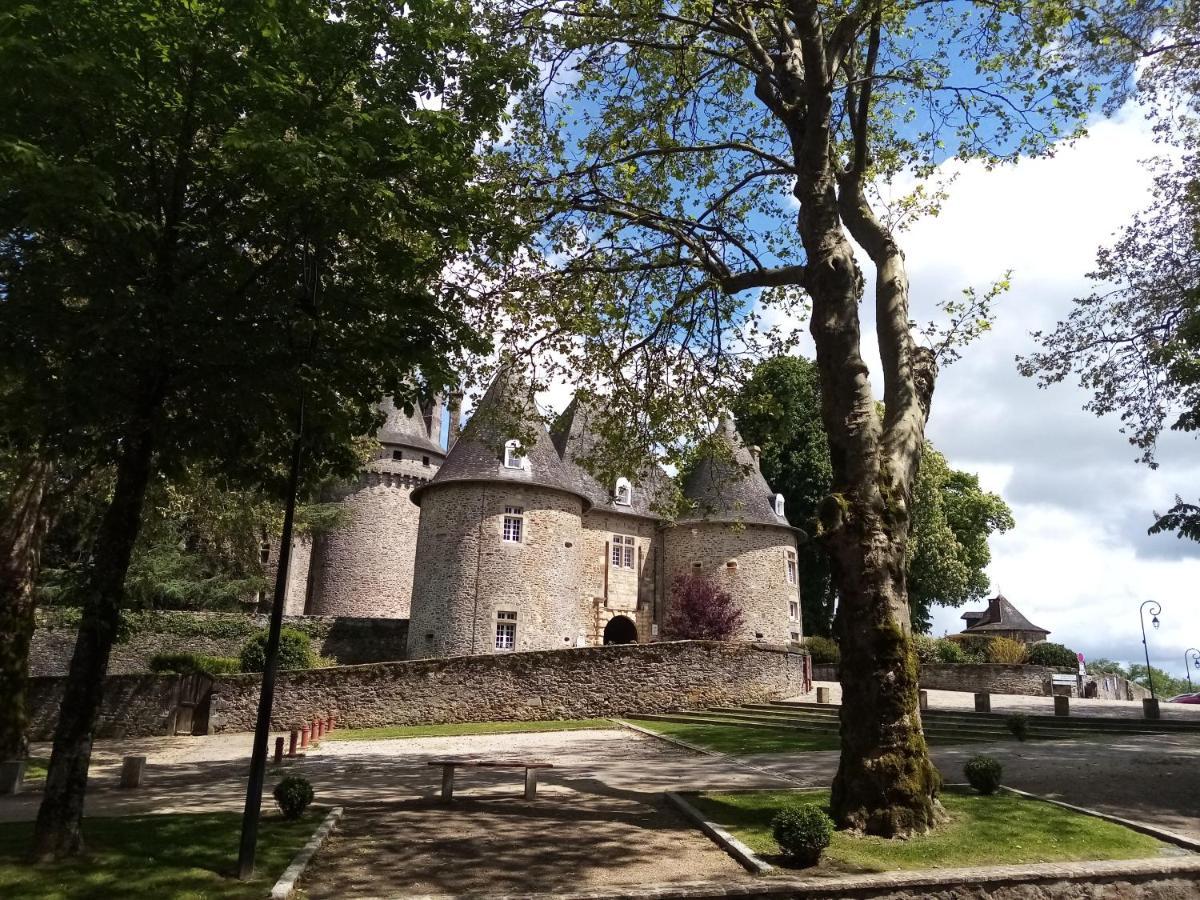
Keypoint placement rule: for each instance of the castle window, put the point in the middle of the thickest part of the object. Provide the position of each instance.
(424, 460)
(622, 550)
(791, 567)
(397, 454)
(778, 503)
(793, 610)
(512, 455)
(795, 637)
(506, 630)
(696, 567)
(514, 523)
(624, 492)
(264, 552)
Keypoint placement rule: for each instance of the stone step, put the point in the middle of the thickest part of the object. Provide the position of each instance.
(832, 723)
(712, 719)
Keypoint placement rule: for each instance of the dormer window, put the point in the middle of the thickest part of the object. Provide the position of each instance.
(512, 455)
(777, 501)
(624, 492)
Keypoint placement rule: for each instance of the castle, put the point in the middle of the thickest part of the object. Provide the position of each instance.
(501, 543)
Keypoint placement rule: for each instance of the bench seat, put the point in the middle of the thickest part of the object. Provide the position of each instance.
(449, 764)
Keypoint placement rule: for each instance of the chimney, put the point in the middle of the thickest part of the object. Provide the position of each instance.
(455, 406)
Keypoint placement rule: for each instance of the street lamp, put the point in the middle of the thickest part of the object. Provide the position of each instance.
(1195, 658)
(1153, 621)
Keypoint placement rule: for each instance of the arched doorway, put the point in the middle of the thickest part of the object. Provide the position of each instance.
(620, 630)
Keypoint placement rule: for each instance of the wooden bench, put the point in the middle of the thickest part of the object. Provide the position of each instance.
(449, 764)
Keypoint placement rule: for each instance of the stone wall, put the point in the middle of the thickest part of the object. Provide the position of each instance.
(577, 683)
(134, 705)
(467, 573)
(994, 678)
(748, 561)
(347, 640)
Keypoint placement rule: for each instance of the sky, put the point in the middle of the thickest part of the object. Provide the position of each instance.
(1079, 562)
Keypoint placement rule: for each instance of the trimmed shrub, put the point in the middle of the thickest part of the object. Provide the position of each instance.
(1006, 650)
(984, 773)
(802, 831)
(1047, 654)
(701, 611)
(295, 651)
(1018, 724)
(973, 646)
(949, 652)
(824, 651)
(292, 796)
(187, 663)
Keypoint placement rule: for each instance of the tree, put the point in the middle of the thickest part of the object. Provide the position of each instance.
(683, 153)
(215, 215)
(700, 611)
(952, 517)
(1134, 341)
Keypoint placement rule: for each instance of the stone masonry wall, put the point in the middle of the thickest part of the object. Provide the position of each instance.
(346, 640)
(579, 683)
(134, 705)
(467, 573)
(994, 678)
(629, 591)
(298, 573)
(758, 582)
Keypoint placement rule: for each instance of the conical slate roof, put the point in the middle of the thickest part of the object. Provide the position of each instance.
(404, 429)
(730, 490)
(575, 439)
(1000, 615)
(506, 411)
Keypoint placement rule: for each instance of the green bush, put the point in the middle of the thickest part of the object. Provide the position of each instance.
(187, 663)
(1018, 724)
(984, 773)
(1006, 650)
(295, 651)
(949, 652)
(823, 650)
(292, 796)
(1047, 654)
(802, 831)
(926, 648)
(974, 646)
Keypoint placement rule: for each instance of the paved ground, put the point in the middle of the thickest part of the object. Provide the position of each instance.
(599, 817)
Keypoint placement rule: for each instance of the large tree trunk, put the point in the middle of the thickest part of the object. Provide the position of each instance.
(24, 520)
(58, 831)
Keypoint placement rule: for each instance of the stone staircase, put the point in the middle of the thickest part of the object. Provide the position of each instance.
(941, 726)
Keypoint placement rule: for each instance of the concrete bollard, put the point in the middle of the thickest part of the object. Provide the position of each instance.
(983, 702)
(279, 751)
(822, 695)
(12, 776)
(1062, 706)
(304, 737)
(1150, 708)
(132, 770)
(293, 737)
(923, 699)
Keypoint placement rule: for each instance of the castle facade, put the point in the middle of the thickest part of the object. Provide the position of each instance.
(499, 543)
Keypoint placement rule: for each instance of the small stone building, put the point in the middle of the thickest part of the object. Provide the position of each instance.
(1002, 619)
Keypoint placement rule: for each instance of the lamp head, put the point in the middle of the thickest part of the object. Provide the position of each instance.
(1154, 621)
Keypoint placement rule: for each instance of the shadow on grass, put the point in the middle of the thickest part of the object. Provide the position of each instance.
(153, 856)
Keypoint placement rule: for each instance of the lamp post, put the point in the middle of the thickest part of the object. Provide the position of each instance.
(1154, 611)
(1195, 659)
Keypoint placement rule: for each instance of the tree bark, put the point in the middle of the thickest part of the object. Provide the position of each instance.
(24, 521)
(59, 822)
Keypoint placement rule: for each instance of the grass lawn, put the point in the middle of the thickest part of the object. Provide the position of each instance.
(982, 830)
(418, 731)
(183, 857)
(742, 739)
(35, 768)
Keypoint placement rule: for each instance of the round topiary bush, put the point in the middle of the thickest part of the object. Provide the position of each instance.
(295, 651)
(1047, 654)
(1018, 724)
(292, 795)
(984, 773)
(802, 831)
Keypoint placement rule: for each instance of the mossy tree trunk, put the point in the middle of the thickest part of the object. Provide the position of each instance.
(24, 521)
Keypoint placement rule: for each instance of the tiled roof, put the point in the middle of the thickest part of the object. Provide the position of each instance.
(404, 429)
(730, 489)
(575, 439)
(1000, 615)
(506, 411)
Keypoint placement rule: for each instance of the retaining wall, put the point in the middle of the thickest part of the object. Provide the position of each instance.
(576, 683)
(134, 705)
(994, 678)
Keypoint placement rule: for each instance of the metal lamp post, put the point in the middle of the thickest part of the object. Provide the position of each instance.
(1194, 655)
(1156, 608)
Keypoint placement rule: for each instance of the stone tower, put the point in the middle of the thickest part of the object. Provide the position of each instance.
(738, 535)
(365, 567)
(499, 555)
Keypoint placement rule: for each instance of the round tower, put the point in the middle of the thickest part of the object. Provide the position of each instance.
(738, 535)
(364, 567)
(498, 556)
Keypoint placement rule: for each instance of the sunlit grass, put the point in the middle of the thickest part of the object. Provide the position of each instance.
(460, 728)
(739, 739)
